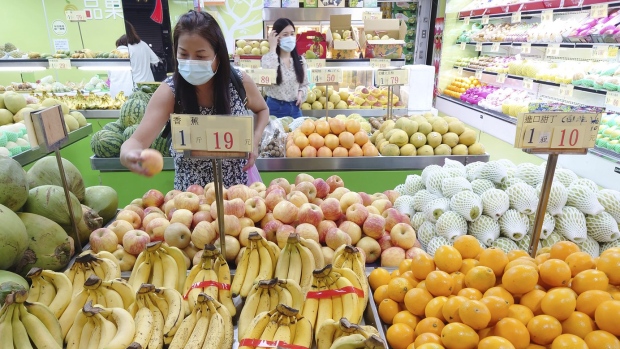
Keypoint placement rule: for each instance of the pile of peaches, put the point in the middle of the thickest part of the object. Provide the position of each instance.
(329, 137)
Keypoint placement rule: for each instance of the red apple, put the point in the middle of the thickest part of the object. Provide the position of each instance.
(103, 239)
(137, 202)
(351, 229)
(196, 189)
(233, 248)
(371, 248)
(285, 212)
(134, 241)
(322, 188)
(204, 233)
(171, 194)
(283, 233)
(336, 238)
(239, 191)
(323, 228)
(403, 235)
(310, 213)
(245, 233)
(191, 250)
(177, 235)
(373, 210)
(308, 189)
(149, 218)
(338, 193)
(392, 257)
(188, 201)
(258, 186)
(379, 196)
(357, 213)
(131, 217)
(268, 218)
(153, 197)
(349, 199)
(152, 209)
(120, 228)
(307, 231)
(366, 199)
(275, 197)
(182, 216)
(331, 209)
(270, 229)
(382, 205)
(201, 216)
(246, 222)
(385, 241)
(414, 251)
(303, 177)
(283, 183)
(317, 201)
(209, 195)
(392, 217)
(374, 226)
(168, 207)
(151, 161)
(232, 226)
(136, 209)
(125, 260)
(334, 182)
(255, 209)
(392, 195)
(156, 228)
(297, 198)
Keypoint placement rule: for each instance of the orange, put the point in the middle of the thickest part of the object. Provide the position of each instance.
(589, 300)
(470, 293)
(535, 346)
(543, 329)
(520, 312)
(520, 279)
(520, 261)
(609, 263)
(416, 300)
(427, 338)
(429, 325)
(532, 300)
(541, 258)
(501, 293)
(468, 246)
(563, 249)
(555, 273)
(580, 261)
(405, 317)
(380, 294)
(468, 264)
(590, 280)
(495, 259)
(422, 285)
(395, 273)
(404, 266)
(485, 332)
(481, 278)
(459, 281)
(514, 331)
(602, 339)
(409, 276)
(399, 336)
(475, 314)
(387, 310)
(578, 324)
(459, 336)
(494, 342)
(606, 317)
(421, 265)
(430, 346)
(611, 250)
(439, 283)
(450, 309)
(559, 302)
(514, 254)
(434, 308)
(497, 306)
(397, 288)
(448, 259)
(568, 341)
(378, 277)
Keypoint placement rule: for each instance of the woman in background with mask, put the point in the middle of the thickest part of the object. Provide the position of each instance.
(291, 89)
(203, 83)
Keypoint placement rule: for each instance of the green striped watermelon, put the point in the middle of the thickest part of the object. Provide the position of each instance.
(129, 131)
(162, 145)
(141, 95)
(132, 112)
(114, 126)
(107, 144)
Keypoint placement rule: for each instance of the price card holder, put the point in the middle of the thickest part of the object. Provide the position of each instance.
(500, 78)
(49, 128)
(495, 47)
(546, 16)
(391, 77)
(553, 50)
(466, 20)
(249, 63)
(598, 10)
(515, 17)
(380, 63)
(561, 132)
(478, 46)
(528, 83)
(612, 101)
(478, 74)
(526, 47)
(600, 52)
(485, 19)
(263, 77)
(463, 45)
(59, 63)
(326, 76)
(315, 63)
(566, 90)
(76, 16)
(372, 15)
(460, 71)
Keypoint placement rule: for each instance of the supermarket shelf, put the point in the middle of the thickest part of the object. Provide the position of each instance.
(362, 112)
(21, 63)
(114, 164)
(535, 8)
(100, 114)
(30, 156)
(493, 113)
(319, 14)
(359, 63)
(32, 63)
(541, 44)
(606, 154)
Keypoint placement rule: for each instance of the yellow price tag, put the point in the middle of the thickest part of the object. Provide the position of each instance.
(76, 16)
(495, 47)
(315, 63)
(380, 63)
(466, 20)
(485, 19)
(249, 63)
(326, 75)
(500, 78)
(553, 50)
(515, 17)
(600, 52)
(478, 74)
(557, 130)
(389, 77)
(478, 46)
(212, 133)
(526, 47)
(528, 83)
(546, 16)
(59, 63)
(566, 90)
(598, 10)
(263, 76)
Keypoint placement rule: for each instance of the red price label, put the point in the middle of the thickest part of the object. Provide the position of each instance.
(76, 16)
(222, 140)
(59, 63)
(567, 137)
(315, 63)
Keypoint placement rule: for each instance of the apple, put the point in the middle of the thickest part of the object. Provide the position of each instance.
(275, 197)
(322, 188)
(188, 201)
(201, 216)
(286, 212)
(157, 227)
(149, 218)
(307, 231)
(151, 161)
(373, 210)
(178, 235)
(317, 201)
(273, 187)
(331, 209)
(366, 199)
(310, 213)
(323, 228)
(152, 209)
(371, 248)
(328, 254)
(136, 209)
(338, 193)
(414, 251)
(191, 250)
(168, 207)
(392, 195)
(239, 191)
(138, 202)
(392, 217)
(297, 198)
(232, 226)
(362, 254)
(374, 226)
(134, 241)
(392, 257)
(120, 228)
(125, 260)
(270, 229)
(379, 196)
(303, 177)
(283, 233)
(382, 205)
(209, 185)
(246, 222)
(103, 239)
(131, 217)
(403, 235)
(235, 207)
(385, 241)
(357, 213)
(153, 197)
(351, 229)
(258, 186)
(197, 259)
(308, 189)
(171, 194)
(233, 248)
(209, 195)
(205, 207)
(182, 216)
(283, 183)
(349, 199)
(196, 189)
(204, 233)
(245, 233)
(334, 182)
(203, 201)
(255, 209)
(336, 238)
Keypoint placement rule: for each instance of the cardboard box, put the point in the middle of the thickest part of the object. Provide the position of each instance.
(311, 3)
(342, 49)
(272, 3)
(331, 3)
(312, 41)
(392, 48)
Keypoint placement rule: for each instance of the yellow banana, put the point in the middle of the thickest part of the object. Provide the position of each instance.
(6, 326)
(47, 290)
(262, 301)
(283, 333)
(175, 314)
(185, 330)
(325, 335)
(121, 287)
(325, 309)
(66, 320)
(45, 315)
(274, 247)
(171, 272)
(75, 333)
(215, 333)
(258, 325)
(126, 327)
(98, 269)
(284, 296)
(197, 338)
(95, 335)
(249, 310)
(157, 335)
(78, 279)
(315, 249)
(350, 303)
(192, 296)
(157, 271)
(284, 262)
(110, 267)
(311, 305)
(179, 258)
(35, 286)
(108, 330)
(355, 282)
(272, 255)
(38, 333)
(190, 278)
(303, 333)
(112, 298)
(350, 342)
(240, 273)
(63, 291)
(270, 330)
(87, 330)
(307, 267)
(274, 298)
(229, 331)
(160, 303)
(296, 293)
(144, 326)
(141, 272)
(223, 276)
(252, 273)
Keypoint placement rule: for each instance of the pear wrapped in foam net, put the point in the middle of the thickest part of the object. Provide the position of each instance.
(423, 198)
(591, 247)
(455, 172)
(505, 244)
(584, 199)
(523, 198)
(552, 239)
(558, 195)
(467, 204)
(417, 219)
(530, 173)
(547, 227)
(584, 181)
(507, 164)
(473, 169)
(610, 199)
(607, 245)
(451, 225)
(435, 243)
(400, 189)
(451, 186)
(602, 227)
(509, 182)
(485, 229)
(514, 224)
(434, 181)
(524, 243)
(436, 208)
(404, 204)
(571, 224)
(565, 176)
(427, 172)
(493, 171)
(449, 163)
(494, 203)
(426, 232)
(413, 184)
(479, 186)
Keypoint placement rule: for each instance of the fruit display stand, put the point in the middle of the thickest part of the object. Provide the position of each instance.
(33, 155)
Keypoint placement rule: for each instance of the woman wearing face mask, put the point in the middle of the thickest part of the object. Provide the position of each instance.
(285, 98)
(203, 83)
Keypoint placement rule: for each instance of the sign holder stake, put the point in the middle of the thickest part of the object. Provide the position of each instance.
(218, 181)
(552, 161)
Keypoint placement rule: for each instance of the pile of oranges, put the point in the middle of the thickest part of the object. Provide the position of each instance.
(468, 297)
(459, 85)
(329, 138)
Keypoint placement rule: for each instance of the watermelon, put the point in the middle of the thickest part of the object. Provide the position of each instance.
(107, 144)
(114, 126)
(132, 112)
(141, 95)
(129, 131)
(162, 145)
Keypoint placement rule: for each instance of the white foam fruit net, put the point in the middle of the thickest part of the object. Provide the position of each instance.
(451, 186)
(494, 203)
(591, 247)
(509, 181)
(426, 232)
(524, 243)
(404, 204)
(422, 198)
(451, 225)
(467, 204)
(479, 186)
(602, 227)
(514, 224)
(571, 224)
(505, 244)
(417, 219)
(564, 176)
(584, 199)
(547, 227)
(400, 189)
(584, 181)
(427, 171)
(523, 198)
(436, 208)
(610, 199)
(493, 171)
(530, 173)
(413, 184)
(558, 195)
(435, 243)
(449, 163)
(434, 180)
(607, 245)
(552, 239)
(473, 169)
(485, 229)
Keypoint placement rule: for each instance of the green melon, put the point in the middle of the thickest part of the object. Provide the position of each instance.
(141, 95)
(49, 201)
(114, 126)
(45, 171)
(107, 144)
(132, 112)
(103, 200)
(13, 238)
(129, 131)
(13, 184)
(14, 101)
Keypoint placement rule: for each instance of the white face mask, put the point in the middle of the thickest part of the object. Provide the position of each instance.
(196, 72)
(287, 43)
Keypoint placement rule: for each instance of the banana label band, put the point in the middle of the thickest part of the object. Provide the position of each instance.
(261, 343)
(335, 293)
(207, 283)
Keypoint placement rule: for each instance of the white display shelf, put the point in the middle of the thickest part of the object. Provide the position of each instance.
(33, 155)
(77, 63)
(534, 8)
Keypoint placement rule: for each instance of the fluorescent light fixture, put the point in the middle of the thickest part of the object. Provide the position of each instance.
(22, 68)
(105, 67)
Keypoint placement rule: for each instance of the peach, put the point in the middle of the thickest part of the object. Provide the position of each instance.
(340, 152)
(151, 161)
(324, 152)
(346, 139)
(308, 152)
(316, 140)
(361, 138)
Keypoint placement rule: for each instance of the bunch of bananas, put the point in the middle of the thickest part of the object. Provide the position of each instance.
(265, 296)
(23, 323)
(103, 265)
(349, 257)
(212, 277)
(331, 330)
(159, 314)
(347, 302)
(50, 288)
(358, 341)
(110, 293)
(159, 265)
(274, 328)
(296, 262)
(208, 326)
(100, 327)
(257, 263)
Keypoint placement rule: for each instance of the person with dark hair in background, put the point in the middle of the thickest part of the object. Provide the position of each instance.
(203, 83)
(121, 80)
(141, 56)
(291, 89)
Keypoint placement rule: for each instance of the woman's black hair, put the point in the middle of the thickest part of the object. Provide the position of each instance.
(122, 41)
(278, 26)
(203, 24)
(132, 36)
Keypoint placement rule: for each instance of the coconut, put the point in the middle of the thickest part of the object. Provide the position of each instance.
(13, 184)
(8, 287)
(7, 276)
(49, 201)
(13, 238)
(45, 171)
(89, 222)
(103, 200)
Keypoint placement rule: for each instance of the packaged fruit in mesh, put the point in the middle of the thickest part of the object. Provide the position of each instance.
(607, 245)
(557, 198)
(493, 171)
(451, 186)
(451, 225)
(610, 199)
(479, 186)
(591, 247)
(602, 227)
(436, 208)
(523, 198)
(514, 224)
(485, 229)
(584, 181)
(426, 172)
(417, 219)
(494, 203)
(434, 181)
(404, 204)
(530, 173)
(423, 198)
(426, 233)
(547, 227)
(509, 181)
(505, 244)
(584, 199)
(413, 184)
(435, 243)
(552, 239)
(467, 204)
(473, 169)
(571, 224)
